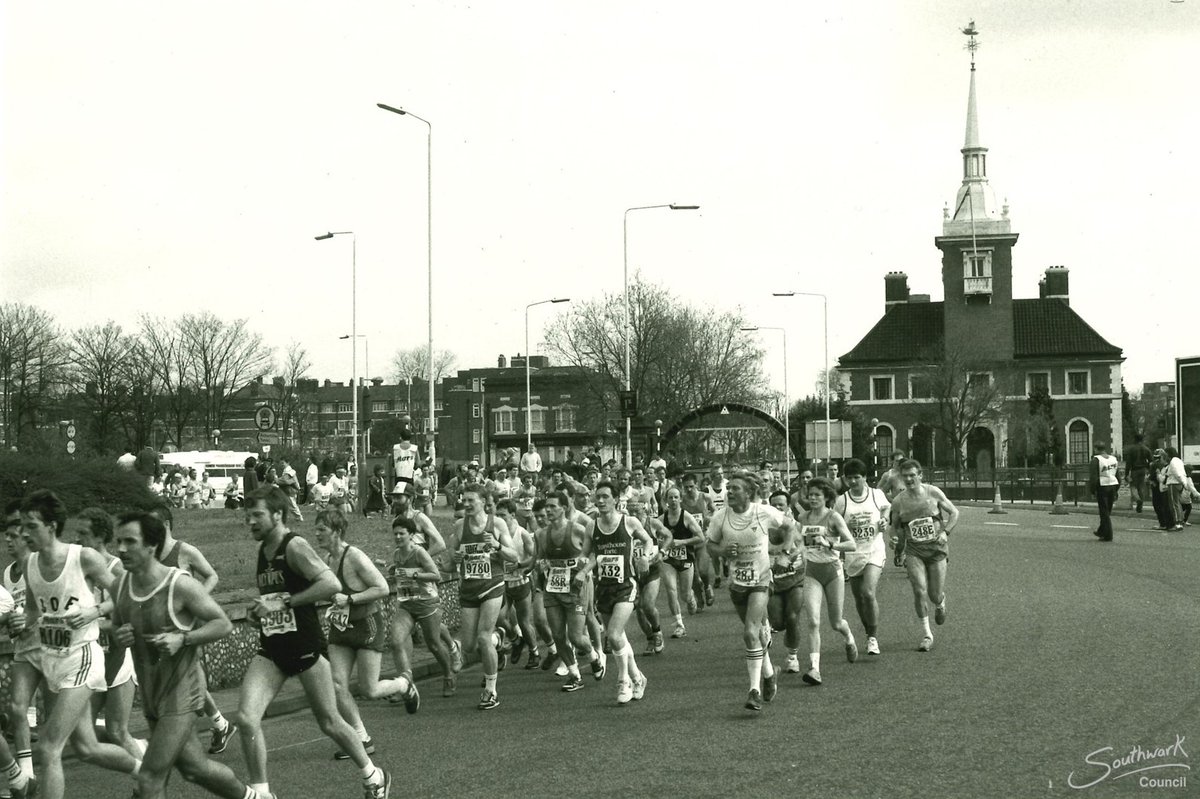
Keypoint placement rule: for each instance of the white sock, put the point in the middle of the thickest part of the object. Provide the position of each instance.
(814, 661)
(141, 744)
(25, 761)
(489, 682)
(679, 618)
(923, 621)
(371, 774)
(219, 721)
(754, 667)
(16, 779)
(553, 649)
(573, 670)
(392, 686)
(261, 788)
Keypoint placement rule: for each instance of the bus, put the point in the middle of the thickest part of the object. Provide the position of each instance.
(1187, 409)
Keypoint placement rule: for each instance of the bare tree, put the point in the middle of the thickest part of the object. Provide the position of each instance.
(966, 392)
(99, 382)
(681, 357)
(33, 364)
(412, 364)
(145, 400)
(295, 413)
(174, 370)
(224, 356)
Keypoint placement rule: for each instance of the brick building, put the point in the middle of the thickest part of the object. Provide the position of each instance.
(1010, 346)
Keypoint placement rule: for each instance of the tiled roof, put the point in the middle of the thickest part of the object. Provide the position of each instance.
(1050, 327)
(1041, 328)
(910, 331)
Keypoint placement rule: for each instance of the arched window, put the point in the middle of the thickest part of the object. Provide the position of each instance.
(1079, 441)
(885, 443)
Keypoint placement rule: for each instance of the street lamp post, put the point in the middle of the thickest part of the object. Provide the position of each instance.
(429, 260)
(625, 294)
(528, 393)
(825, 313)
(367, 368)
(787, 407)
(353, 330)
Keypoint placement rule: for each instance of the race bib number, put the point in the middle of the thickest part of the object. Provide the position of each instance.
(677, 553)
(864, 531)
(403, 586)
(339, 617)
(921, 530)
(558, 581)
(744, 573)
(477, 562)
(611, 568)
(278, 618)
(56, 636)
(812, 534)
(786, 564)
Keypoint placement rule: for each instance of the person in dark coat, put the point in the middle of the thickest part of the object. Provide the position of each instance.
(249, 476)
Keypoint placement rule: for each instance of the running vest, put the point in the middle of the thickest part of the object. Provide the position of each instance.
(1108, 470)
(679, 552)
(276, 580)
(169, 683)
(614, 554)
(27, 640)
(481, 562)
(818, 553)
(353, 612)
(749, 563)
(65, 595)
(864, 517)
(404, 461)
(405, 587)
(921, 523)
(717, 497)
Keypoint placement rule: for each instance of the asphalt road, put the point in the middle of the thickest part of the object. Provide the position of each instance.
(1056, 647)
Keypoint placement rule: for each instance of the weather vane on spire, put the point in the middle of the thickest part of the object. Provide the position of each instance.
(972, 45)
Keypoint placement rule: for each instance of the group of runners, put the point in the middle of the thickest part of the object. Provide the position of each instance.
(557, 576)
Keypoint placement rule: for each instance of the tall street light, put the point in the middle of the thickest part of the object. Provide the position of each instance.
(429, 260)
(353, 329)
(528, 393)
(787, 406)
(825, 313)
(367, 369)
(628, 377)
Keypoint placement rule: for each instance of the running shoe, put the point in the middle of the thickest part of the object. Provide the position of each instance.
(368, 747)
(872, 646)
(680, 631)
(770, 687)
(488, 700)
(639, 687)
(501, 649)
(561, 670)
(598, 668)
(624, 692)
(939, 611)
(449, 686)
(518, 646)
(659, 646)
(926, 644)
(381, 790)
(220, 738)
(851, 651)
(532, 661)
(456, 658)
(548, 660)
(793, 665)
(412, 698)
(754, 700)
(572, 685)
(812, 677)
(649, 650)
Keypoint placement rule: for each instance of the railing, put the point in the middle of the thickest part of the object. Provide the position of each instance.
(1016, 484)
(977, 285)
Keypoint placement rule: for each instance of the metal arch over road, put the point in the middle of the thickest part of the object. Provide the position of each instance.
(722, 409)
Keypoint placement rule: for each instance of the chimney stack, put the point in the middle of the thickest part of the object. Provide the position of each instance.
(895, 288)
(501, 362)
(1057, 283)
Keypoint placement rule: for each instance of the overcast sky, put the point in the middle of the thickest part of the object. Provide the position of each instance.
(167, 157)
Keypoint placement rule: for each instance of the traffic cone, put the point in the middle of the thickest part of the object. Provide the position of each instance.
(1058, 509)
(996, 502)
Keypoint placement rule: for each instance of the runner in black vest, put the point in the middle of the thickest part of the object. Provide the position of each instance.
(292, 578)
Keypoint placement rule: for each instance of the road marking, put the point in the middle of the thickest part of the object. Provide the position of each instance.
(1003, 524)
(1071, 526)
(299, 743)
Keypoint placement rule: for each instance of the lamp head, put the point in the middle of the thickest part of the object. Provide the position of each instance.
(749, 329)
(678, 207)
(394, 110)
(323, 236)
(561, 299)
(783, 294)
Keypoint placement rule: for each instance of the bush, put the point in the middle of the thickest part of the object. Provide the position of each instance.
(79, 482)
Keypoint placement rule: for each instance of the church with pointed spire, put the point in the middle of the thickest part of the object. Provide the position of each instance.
(957, 375)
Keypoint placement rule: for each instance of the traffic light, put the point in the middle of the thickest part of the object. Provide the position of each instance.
(364, 408)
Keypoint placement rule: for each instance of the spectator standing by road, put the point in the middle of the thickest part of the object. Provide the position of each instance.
(1175, 480)
(1103, 483)
(312, 476)
(249, 476)
(1137, 464)
(531, 461)
(289, 481)
(375, 502)
(1158, 489)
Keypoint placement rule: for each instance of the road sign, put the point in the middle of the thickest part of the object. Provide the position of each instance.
(629, 404)
(70, 431)
(71, 447)
(264, 418)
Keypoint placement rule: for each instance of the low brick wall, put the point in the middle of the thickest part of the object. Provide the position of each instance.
(226, 660)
